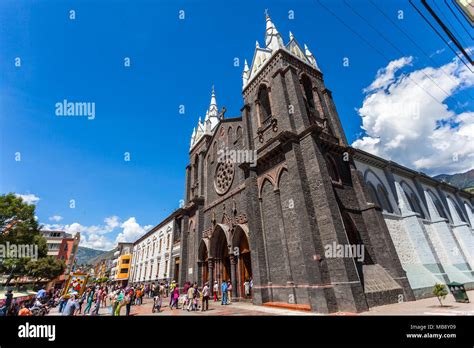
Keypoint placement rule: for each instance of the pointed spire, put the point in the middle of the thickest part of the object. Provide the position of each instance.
(257, 45)
(273, 38)
(291, 36)
(245, 74)
(246, 66)
(213, 97)
(310, 56)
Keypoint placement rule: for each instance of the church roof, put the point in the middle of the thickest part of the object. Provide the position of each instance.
(274, 42)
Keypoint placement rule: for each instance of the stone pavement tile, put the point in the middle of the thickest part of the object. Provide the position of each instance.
(427, 306)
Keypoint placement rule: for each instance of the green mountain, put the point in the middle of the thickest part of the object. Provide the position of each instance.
(462, 180)
(85, 255)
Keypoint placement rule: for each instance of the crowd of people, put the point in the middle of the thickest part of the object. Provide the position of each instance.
(112, 298)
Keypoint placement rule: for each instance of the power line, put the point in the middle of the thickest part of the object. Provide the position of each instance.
(415, 43)
(457, 18)
(446, 30)
(452, 26)
(374, 48)
(440, 36)
(393, 45)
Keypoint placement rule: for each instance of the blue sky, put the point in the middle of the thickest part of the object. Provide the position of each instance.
(175, 62)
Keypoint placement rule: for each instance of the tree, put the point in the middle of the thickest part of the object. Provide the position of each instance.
(45, 268)
(440, 292)
(18, 226)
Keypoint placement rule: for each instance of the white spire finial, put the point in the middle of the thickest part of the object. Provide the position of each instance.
(273, 38)
(257, 45)
(310, 56)
(246, 66)
(291, 36)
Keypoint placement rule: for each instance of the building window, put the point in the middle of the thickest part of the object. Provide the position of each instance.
(264, 104)
(308, 91)
(373, 194)
(230, 138)
(161, 242)
(168, 242)
(332, 169)
(239, 133)
(384, 200)
(413, 201)
(438, 205)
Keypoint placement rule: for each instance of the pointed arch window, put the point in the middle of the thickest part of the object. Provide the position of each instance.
(230, 137)
(265, 110)
(239, 133)
(308, 91)
(332, 169)
(413, 200)
(438, 205)
(196, 169)
(384, 200)
(459, 211)
(373, 194)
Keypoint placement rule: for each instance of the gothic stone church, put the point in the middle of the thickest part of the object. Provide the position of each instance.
(273, 221)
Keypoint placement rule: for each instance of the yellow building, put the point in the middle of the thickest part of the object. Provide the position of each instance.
(123, 267)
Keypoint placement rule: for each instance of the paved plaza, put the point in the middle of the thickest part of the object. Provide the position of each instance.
(429, 306)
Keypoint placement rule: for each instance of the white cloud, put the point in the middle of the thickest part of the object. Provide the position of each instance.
(28, 198)
(55, 218)
(131, 231)
(404, 124)
(99, 236)
(96, 241)
(386, 76)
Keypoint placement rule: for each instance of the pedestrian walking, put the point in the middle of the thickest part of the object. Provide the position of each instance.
(224, 292)
(206, 292)
(190, 298)
(128, 302)
(247, 288)
(229, 292)
(174, 297)
(90, 299)
(71, 306)
(119, 303)
(215, 289)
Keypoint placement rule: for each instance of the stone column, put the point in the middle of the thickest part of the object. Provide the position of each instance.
(210, 265)
(200, 273)
(232, 275)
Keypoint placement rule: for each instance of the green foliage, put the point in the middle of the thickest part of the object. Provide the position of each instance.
(18, 226)
(45, 268)
(440, 291)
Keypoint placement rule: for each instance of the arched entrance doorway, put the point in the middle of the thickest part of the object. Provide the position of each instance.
(241, 250)
(203, 262)
(219, 247)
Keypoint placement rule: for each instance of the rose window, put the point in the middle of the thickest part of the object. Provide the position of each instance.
(224, 176)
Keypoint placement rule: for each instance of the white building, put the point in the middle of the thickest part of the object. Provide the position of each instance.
(430, 222)
(153, 253)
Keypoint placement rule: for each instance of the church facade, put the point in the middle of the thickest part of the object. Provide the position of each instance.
(276, 195)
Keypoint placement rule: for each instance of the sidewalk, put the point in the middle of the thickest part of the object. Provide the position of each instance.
(429, 306)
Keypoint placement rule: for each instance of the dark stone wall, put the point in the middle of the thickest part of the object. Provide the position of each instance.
(298, 210)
